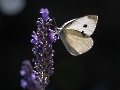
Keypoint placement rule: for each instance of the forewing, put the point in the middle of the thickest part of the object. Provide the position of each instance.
(87, 24)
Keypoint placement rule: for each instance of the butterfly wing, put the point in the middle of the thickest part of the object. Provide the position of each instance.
(75, 42)
(87, 24)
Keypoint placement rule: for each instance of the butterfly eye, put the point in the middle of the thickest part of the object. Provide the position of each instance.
(85, 25)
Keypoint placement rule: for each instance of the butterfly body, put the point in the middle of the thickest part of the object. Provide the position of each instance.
(75, 34)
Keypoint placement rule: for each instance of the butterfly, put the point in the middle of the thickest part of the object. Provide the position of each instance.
(75, 34)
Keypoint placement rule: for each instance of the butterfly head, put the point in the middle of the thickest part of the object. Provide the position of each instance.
(57, 30)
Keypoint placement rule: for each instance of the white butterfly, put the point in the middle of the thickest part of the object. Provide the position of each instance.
(75, 34)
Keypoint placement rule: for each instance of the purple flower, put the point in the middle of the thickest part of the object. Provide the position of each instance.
(29, 81)
(52, 36)
(23, 84)
(42, 10)
(43, 51)
(22, 72)
(33, 76)
(44, 13)
(35, 38)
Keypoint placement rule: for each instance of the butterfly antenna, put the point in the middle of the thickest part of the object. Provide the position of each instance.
(55, 27)
(55, 22)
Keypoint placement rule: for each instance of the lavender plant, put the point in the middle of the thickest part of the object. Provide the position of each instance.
(29, 80)
(43, 51)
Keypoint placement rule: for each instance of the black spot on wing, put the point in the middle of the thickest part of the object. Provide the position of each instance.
(85, 25)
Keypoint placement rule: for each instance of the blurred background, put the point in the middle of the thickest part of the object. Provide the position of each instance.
(98, 69)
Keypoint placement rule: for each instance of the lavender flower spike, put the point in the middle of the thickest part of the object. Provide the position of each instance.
(29, 80)
(43, 51)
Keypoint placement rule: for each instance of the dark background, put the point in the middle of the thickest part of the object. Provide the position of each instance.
(98, 69)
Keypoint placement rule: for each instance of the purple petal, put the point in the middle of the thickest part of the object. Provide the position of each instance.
(23, 84)
(52, 36)
(44, 13)
(22, 72)
(42, 10)
(45, 16)
(46, 10)
(33, 41)
(35, 36)
(33, 76)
